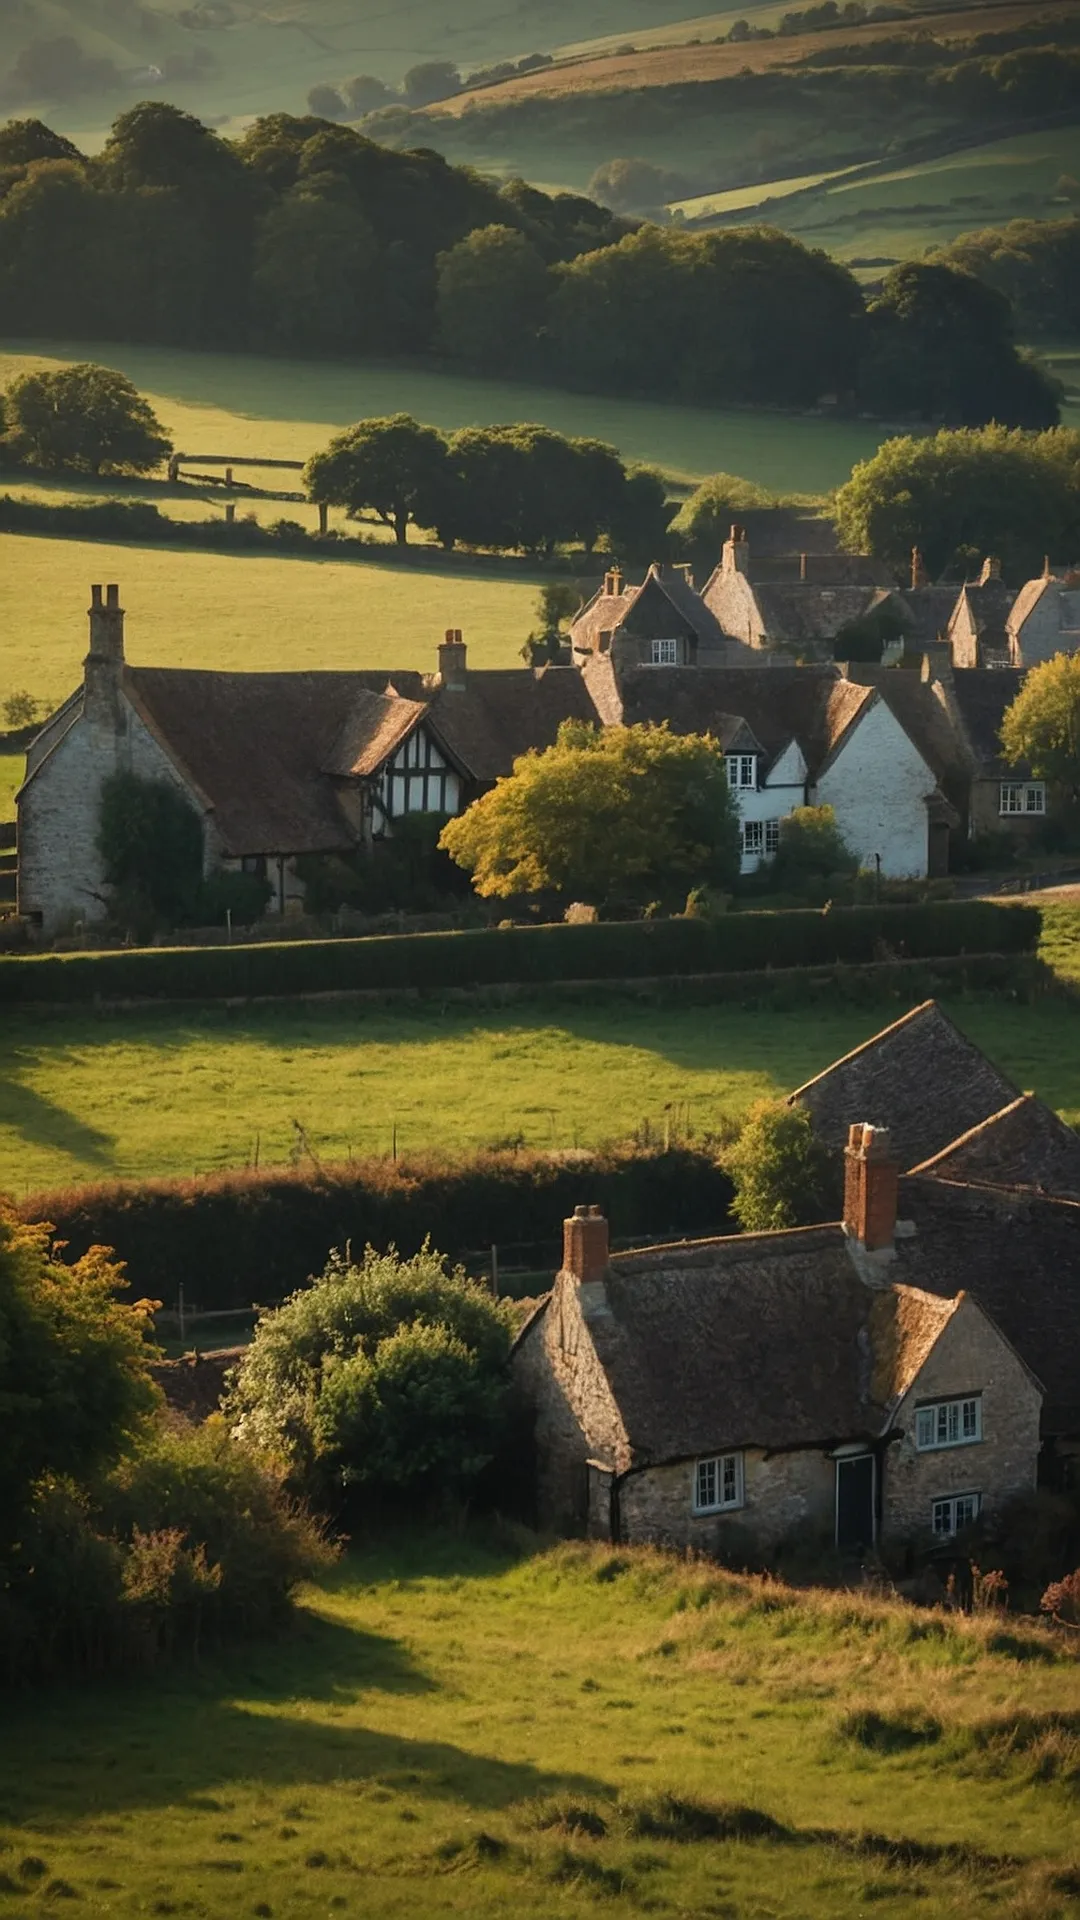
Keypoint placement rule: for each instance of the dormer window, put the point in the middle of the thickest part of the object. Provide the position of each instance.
(741, 769)
(665, 653)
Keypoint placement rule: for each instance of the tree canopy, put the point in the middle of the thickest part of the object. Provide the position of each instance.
(1042, 726)
(1034, 264)
(959, 494)
(626, 813)
(393, 467)
(784, 1176)
(82, 419)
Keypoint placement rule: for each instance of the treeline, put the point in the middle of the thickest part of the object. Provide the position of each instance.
(307, 237)
(1034, 264)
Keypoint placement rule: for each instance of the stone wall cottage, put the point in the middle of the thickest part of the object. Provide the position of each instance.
(799, 601)
(1044, 618)
(976, 631)
(664, 622)
(276, 765)
(732, 1395)
(1002, 798)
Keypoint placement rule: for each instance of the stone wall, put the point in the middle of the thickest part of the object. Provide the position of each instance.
(786, 1496)
(985, 815)
(969, 1357)
(556, 1367)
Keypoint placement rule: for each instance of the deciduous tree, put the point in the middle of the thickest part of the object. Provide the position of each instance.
(622, 813)
(784, 1176)
(1042, 726)
(491, 299)
(393, 467)
(82, 419)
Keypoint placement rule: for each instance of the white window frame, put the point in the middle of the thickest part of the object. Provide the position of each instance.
(942, 1424)
(950, 1514)
(724, 1472)
(741, 770)
(753, 839)
(1018, 799)
(772, 838)
(665, 653)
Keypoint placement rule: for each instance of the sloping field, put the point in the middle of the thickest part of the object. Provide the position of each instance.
(469, 1728)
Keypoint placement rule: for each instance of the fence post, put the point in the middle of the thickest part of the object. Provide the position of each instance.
(180, 1310)
(494, 1272)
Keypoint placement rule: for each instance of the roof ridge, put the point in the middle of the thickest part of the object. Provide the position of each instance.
(1003, 1192)
(894, 1027)
(972, 1133)
(770, 1236)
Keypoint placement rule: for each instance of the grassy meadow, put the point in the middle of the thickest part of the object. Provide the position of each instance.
(89, 1095)
(457, 1728)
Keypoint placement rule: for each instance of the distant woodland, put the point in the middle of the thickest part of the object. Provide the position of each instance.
(307, 237)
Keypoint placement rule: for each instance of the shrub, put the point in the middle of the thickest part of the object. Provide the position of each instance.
(811, 848)
(784, 1175)
(388, 1374)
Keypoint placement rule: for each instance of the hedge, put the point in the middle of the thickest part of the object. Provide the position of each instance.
(632, 950)
(237, 1238)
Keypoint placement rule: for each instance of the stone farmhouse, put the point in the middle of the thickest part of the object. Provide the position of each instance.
(663, 622)
(731, 1395)
(976, 630)
(796, 602)
(888, 1379)
(1044, 618)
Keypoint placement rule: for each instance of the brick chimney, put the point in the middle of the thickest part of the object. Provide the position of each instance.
(919, 575)
(991, 569)
(736, 555)
(585, 1245)
(871, 1178)
(802, 566)
(613, 582)
(452, 661)
(104, 664)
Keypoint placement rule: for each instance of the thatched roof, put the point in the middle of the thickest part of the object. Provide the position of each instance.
(920, 1077)
(813, 706)
(1025, 1145)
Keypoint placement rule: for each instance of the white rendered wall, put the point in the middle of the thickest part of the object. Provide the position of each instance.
(878, 786)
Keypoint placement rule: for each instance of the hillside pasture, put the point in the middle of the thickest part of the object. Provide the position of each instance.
(89, 1094)
(285, 410)
(461, 1726)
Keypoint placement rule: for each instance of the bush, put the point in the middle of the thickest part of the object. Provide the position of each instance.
(811, 848)
(784, 1176)
(390, 1375)
(609, 951)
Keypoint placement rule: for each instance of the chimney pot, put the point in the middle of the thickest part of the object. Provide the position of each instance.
(585, 1245)
(871, 1181)
(918, 568)
(453, 661)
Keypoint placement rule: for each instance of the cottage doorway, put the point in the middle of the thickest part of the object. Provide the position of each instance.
(855, 1486)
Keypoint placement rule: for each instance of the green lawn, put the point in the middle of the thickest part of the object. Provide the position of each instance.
(286, 409)
(12, 768)
(88, 1095)
(453, 1730)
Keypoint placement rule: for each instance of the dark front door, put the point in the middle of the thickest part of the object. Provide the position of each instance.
(855, 1501)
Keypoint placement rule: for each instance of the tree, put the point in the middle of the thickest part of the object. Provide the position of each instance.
(1013, 494)
(151, 844)
(74, 1386)
(706, 518)
(326, 103)
(1042, 726)
(556, 604)
(784, 1176)
(638, 521)
(431, 80)
(492, 291)
(316, 261)
(811, 848)
(83, 419)
(1034, 264)
(940, 347)
(635, 186)
(525, 487)
(387, 1373)
(22, 142)
(394, 467)
(622, 813)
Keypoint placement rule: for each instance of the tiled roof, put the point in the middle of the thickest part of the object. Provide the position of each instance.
(920, 1077)
(1025, 1145)
(926, 611)
(607, 612)
(812, 705)
(979, 696)
(502, 713)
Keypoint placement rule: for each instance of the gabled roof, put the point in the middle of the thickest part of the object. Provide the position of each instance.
(812, 705)
(373, 728)
(920, 1077)
(1026, 1144)
(607, 612)
(830, 569)
(1027, 600)
(926, 611)
(1017, 1252)
(979, 697)
(502, 713)
(916, 705)
(798, 612)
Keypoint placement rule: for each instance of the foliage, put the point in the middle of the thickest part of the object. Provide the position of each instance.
(1042, 726)
(1034, 264)
(784, 1176)
(395, 467)
(1013, 494)
(491, 299)
(635, 186)
(941, 348)
(20, 710)
(644, 949)
(151, 843)
(389, 1374)
(81, 419)
(74, 1387)
(706, 518)
(431, 80)
(811, 847)
(1062, 1599)
(556, 604)
(625, 812)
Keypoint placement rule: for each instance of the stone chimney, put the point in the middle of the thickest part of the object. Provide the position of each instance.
(452, 661)
(802, 566)
(687, 572)
(585, 1245)
(736, 554)
(103, 667)
(991, 569)
(871, 1183)
(919, 575)
(613, 582)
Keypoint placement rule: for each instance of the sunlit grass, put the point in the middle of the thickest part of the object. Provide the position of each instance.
(455, 1729)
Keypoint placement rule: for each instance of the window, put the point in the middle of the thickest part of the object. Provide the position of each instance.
(950, 1423)
(753, 837)
(1022, 796)
(665, 653)
(254, 863)
(772, 836)
(741, 769)
(718, 1483)
(960, 1510)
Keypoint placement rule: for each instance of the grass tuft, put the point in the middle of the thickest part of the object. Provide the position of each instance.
(668, 1816)
(894, 1732)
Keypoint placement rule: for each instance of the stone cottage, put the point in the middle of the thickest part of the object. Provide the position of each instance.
(664, 622)
(799, 602)
(734, 1395)
(1044, 618)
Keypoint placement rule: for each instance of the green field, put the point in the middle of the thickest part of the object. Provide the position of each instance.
(454, 1730)
(215, 403)
(90, 1095)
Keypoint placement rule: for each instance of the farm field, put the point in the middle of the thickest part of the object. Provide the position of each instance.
(191, 609)
(91, 1095)
(287, 409)
(458, 1727)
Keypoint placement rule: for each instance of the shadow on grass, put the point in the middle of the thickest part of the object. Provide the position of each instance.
(268, 1717)
(41, 1123)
